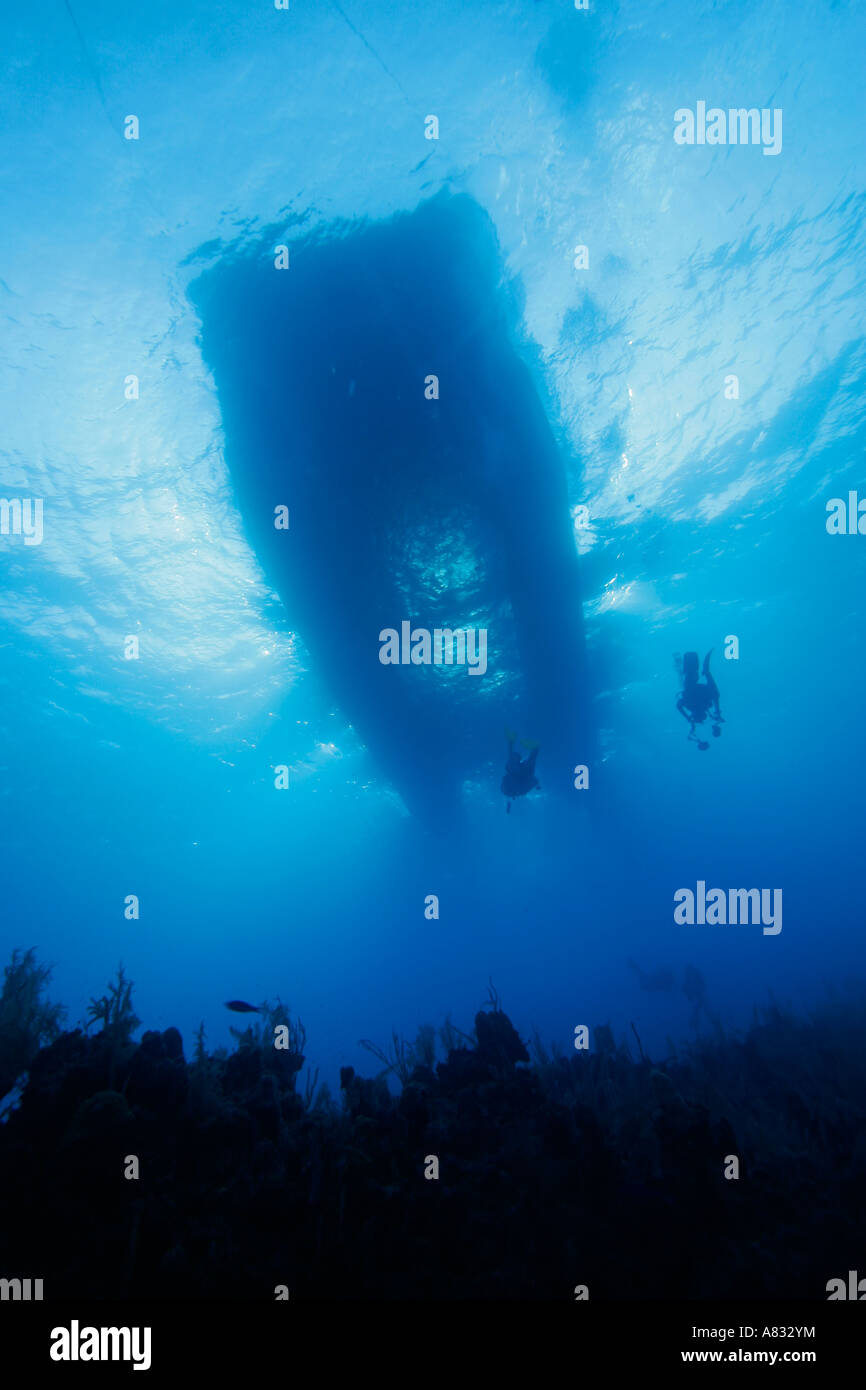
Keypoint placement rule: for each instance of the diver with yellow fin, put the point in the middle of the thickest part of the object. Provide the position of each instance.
(520, 778)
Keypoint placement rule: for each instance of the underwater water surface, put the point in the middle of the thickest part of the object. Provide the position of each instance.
(441, 283)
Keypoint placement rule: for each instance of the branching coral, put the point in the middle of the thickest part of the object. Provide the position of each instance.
(118, 1018)
(27, 1020)
(451, 1037)
(273, 1015)
(403, 1057)
(114, 1010)
(400, 1059)
(492, 1001)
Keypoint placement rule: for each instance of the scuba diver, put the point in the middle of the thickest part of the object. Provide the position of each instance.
(520, 775)
(698, 698)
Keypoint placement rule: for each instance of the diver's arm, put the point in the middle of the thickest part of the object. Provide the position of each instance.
(684, 712)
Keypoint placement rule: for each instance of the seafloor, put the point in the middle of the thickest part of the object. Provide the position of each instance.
(603, 1169)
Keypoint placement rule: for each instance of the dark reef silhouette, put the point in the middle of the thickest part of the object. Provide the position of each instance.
(597, 1168)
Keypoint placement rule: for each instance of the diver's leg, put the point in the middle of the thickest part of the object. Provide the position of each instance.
(684, 712)
(711, 684)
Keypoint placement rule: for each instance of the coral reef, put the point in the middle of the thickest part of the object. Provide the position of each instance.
(27, 1020)
(601, 1168)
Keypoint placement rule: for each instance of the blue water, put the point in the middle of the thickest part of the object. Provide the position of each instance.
(706, 516)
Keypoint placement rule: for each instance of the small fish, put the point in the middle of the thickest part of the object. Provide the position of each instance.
(240, 1006)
